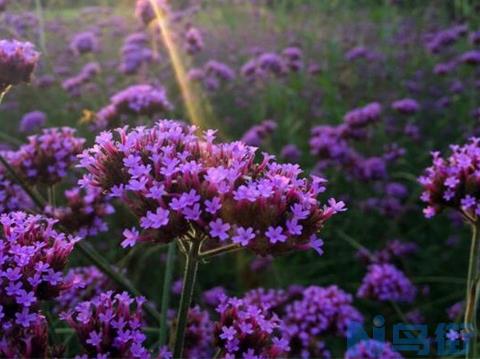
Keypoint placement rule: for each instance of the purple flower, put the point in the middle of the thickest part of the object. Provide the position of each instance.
(47, 157)
(131, 237)
(218, 229)
(84, 42)
(452, 182)
(372, 349)
(120, 336)
(32, 121)
(406, 106)
(384, 282)
(250, 330)
(275, 235)
(146, 13)
(17, 62)
(212, 187)
(243, 236)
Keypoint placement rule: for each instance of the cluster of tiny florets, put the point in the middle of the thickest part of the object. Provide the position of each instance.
(84, 213)
(245, 331)
(135, 53)
(174, 180)
(48, 156)
(32, 258)
(453, 182)
(109, 325)
(17, 62)
(84, 42)
(372, 349)
(146, 13)
(139, 100)
(385, 282)
(32, 121)
(85, 283)
(318, 313)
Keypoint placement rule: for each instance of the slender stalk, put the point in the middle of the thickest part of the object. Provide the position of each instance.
(4, 92)
(191, 267)
(167, 283)
(472, 293)
(220, 250)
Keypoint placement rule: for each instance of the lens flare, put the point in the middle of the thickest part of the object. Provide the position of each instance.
(195, 102)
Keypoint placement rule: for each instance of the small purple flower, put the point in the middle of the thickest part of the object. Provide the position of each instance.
(275, 234)
(218, 229)
(17, 62)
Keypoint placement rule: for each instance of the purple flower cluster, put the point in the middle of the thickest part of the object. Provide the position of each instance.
(47, 157)
(32, 258)
(85, 283)
(32, 121)
(385, 282)
(268, 64)
(331, 144)
(140, 100)
(84, 213)
(372, 349)
(471, 57)
(438, 41)
(361, 52)
(245, 331)
(135, 53)
(212, 74)
(17, 62)
(109, 326)
(84, 42)
(259, 133)
(453, 182)
(146, 13)
(199, 335)
(406, 106)
(293, 57)
(319, 312)
(12, 196)
(390, 201)
(456, 310)
(88, 72)
(174, 180)
(193, 40)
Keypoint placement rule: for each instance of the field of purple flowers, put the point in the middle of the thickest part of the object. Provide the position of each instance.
(239, 179)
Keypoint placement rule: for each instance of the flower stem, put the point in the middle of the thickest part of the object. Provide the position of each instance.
(472, 293)
(191, 267)
(167, 283)
(220, 250)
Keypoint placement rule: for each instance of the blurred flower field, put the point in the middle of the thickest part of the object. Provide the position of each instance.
(239, 179)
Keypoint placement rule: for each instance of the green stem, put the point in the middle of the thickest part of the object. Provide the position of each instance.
(167, 283)
(41, 23)
(191, 267)
(472, 293)
(220, 250)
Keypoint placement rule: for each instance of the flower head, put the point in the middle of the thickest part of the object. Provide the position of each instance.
(372, 349)
(109, 324)
(384, 282)
(47, 157)
(174, 180)
(453, 182)
(17, 62)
